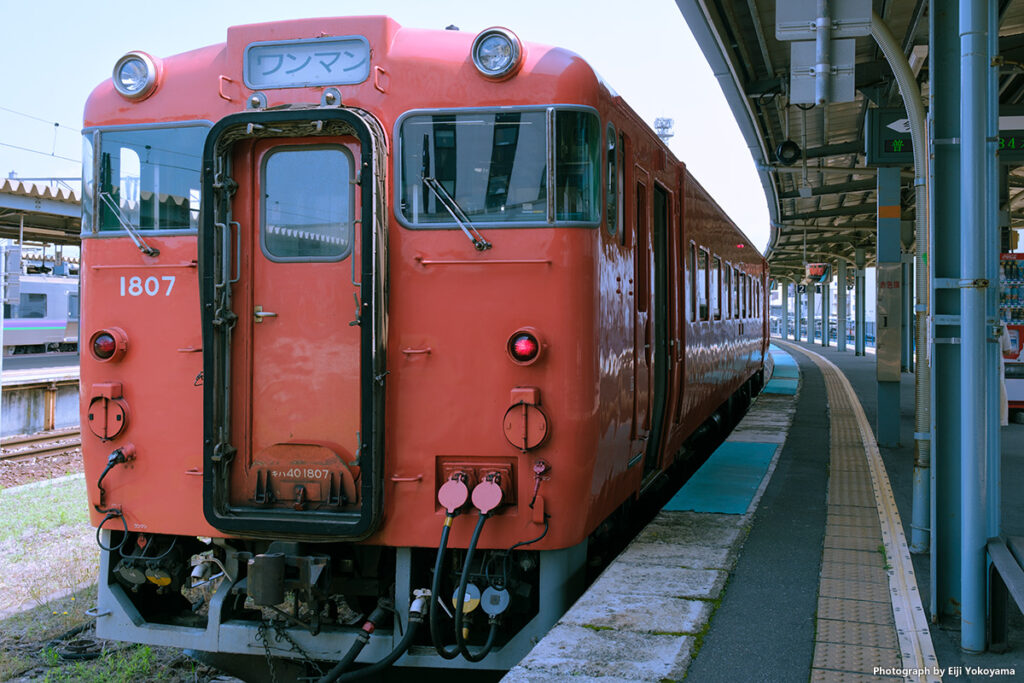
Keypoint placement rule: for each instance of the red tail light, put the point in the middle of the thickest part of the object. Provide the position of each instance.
(104, 345)
(108, 345)
(524, 347)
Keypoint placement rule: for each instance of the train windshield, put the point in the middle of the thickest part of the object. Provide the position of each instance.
(495, 165)
(148, 179)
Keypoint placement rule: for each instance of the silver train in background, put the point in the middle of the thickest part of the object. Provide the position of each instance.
(45, 316)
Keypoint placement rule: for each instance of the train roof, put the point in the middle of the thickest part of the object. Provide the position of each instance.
(409, 68)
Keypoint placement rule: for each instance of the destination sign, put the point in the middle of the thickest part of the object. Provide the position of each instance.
(304, 63)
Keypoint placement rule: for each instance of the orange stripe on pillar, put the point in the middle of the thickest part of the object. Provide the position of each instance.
(889, 211)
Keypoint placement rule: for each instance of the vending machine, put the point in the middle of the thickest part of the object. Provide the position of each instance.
(1011, 312)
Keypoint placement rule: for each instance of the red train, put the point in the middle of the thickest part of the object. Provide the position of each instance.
(346, 280)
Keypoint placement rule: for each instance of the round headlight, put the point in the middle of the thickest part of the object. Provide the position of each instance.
(135, 75)
(497, 52)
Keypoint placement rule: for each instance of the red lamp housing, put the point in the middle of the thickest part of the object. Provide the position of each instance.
(524, 346)
(108, 345)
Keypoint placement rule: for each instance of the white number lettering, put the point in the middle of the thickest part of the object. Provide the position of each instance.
(135, 286)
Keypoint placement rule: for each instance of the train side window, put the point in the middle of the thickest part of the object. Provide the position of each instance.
(742, 295)
(735, 293)
(307, 210)
(691, 285)
(702, 284)
(623, 162)
(716, 279)
(612, 181)
(746, 295)
(642, 251)
(727, 292)
(73, 306)
(32, 305)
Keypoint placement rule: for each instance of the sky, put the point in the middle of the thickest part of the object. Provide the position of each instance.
(54, 54)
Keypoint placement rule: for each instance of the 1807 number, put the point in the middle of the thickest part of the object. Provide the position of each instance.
(150, 286)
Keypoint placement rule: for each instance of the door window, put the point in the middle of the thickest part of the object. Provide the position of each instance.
(307, 205)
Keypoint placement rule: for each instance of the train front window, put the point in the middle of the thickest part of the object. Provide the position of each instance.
(495, 165)
(148, 178)
(577, 158)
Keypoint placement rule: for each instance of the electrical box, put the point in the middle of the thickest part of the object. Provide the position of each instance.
(888, 315)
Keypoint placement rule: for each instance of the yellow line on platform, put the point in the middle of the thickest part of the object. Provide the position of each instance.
(847, 603)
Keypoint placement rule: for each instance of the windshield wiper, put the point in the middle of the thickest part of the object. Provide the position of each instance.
(456, 212)
(132, 231)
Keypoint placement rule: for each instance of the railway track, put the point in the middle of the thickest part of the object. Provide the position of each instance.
(41, 445)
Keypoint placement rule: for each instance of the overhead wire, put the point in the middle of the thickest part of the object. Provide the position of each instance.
(37, 118)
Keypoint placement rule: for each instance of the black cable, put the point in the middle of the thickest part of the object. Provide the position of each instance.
(415, 619)
(461, 598)
(508, 553)
(362, 638)
(435, 588)
(111, 514)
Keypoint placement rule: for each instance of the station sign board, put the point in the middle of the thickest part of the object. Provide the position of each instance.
(888, 142)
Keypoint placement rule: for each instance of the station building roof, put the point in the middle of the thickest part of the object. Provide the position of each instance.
(52, 213)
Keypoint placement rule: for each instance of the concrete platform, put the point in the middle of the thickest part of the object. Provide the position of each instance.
(39, 399)
(811, 580)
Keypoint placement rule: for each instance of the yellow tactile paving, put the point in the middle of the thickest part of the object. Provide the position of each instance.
(825, 676)
(854, 658)
(870, 635)
(854, 572)
(867, 614)
(852, 589)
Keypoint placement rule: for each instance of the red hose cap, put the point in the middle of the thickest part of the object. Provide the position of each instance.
(486, 496)
(453, 495)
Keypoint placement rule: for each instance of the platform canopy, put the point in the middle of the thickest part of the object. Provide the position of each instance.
(823, 205)
(45, 212)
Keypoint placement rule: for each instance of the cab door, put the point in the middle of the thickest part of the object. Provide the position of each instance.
(293, 279)
(302, 401)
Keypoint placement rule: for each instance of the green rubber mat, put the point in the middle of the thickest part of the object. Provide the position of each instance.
(727, 482)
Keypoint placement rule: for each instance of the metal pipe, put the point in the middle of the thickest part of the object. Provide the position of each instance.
(973, 290)
(822, 41)
(920, 523)
(810, 313)
(858, 294)
(842, 311)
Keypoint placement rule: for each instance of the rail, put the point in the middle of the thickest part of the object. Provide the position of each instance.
(43, 444)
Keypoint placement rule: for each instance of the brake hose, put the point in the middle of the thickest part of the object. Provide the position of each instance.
(415, 619)
(461, 598)
(362, 638)
(435, 587)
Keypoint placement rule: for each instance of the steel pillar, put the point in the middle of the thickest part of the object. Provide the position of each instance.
(842, 310)
(944, 262)
(998, 184)
(907, 317)
(784, 329)
(858, 295)
(810, 313)
(887, 311)
(826, 305)
(974, 286)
